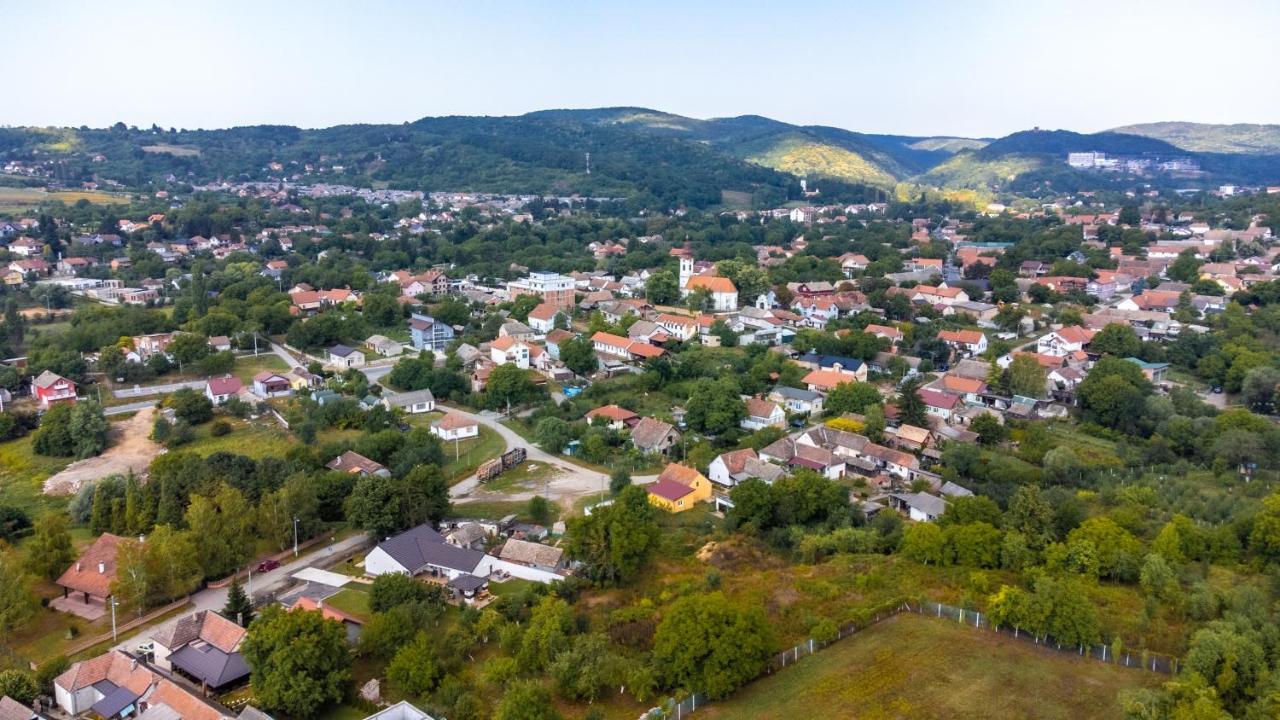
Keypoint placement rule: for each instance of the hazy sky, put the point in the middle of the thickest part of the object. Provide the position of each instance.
(982, 67)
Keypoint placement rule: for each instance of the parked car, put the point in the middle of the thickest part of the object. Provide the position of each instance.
(1217, 389)
(268, 565)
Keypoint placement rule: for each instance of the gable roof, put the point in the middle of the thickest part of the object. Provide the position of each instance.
(352, 462)
(760, 408)
(649, 432)
(228, 385)
(84, 575)
(11, 709)
(714, 283)
(531, 553)
(47, 379)
(418, 547)
(735, 461)
(966, 337)
(205, 625)
(116, 666)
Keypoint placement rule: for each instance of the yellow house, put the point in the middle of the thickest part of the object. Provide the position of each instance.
(678, 488)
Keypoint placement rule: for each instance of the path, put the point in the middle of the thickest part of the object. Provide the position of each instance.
(216, 598)
(131, 449)
(140, 390)
(129, 407)
(571, 481)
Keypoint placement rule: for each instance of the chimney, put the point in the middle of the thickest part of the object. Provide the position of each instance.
(102, 568)
(133, 664)
(79, 567)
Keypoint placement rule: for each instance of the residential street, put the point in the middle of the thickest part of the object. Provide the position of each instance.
(216, 598)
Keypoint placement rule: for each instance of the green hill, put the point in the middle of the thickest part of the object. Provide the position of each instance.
(1198, 137)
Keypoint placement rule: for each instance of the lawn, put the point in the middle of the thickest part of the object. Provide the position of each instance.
(463, 457)
(259, 439)
(22, 476)
(249, 365)
(353, 601)
(916, 667)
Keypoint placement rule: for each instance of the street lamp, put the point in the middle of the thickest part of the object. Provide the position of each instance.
(113, 619)
(295, 536)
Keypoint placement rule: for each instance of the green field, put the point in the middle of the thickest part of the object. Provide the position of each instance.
(916, 667)
(26, 198)
(22, 476)
(353, 601)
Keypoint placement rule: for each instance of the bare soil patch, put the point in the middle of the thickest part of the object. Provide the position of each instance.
(131, 449)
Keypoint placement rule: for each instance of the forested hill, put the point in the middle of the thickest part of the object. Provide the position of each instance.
(1242, 138)
(654, 159)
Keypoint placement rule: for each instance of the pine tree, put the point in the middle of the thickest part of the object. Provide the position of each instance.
(100, 514)
(132, 507)
(238, 608)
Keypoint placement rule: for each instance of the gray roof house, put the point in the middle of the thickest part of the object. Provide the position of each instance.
(423, 550)
(413, 402)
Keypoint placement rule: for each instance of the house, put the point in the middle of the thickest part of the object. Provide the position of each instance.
(681, 327)
(384, 346)
(220, 390)
(455, 427)
(968, 342)
(652, 435)
(220, 343)
(11, 709)
(852, 263)
(920, 506)
(532, 554)
(345, 358)
(763, 413)
(626, 349)
(679, 488)
(412, 402)
(892, 334)
(1155, 372)
(1064, 341)
(267, 384)
(50, 388)
(423, 550)
(797, 400)
(350, 623)
(941, 295)
(542, 318)
(118, 685)
(554, 289)
(93, 572)
(615, 417)
(825, 381)
(939, 404)
(844, 365)
(516, 330)
(354, 463)
(427, 333)
(733, 467)
(510, 351)
(204, 647)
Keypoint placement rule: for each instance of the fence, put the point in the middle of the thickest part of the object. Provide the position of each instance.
(673, 710)
(1102, 653)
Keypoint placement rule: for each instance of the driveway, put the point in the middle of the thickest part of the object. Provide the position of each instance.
(216, 598)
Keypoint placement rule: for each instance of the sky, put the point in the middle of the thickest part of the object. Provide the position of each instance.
(980, 68)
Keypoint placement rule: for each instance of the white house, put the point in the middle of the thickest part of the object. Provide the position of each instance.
(970, 342)
(678, 326)
(763, 413)
(543, 318)
(510, 351)
(413, 402)
(220, 390)
(1065, 341)
(345, 358)
(455, 427)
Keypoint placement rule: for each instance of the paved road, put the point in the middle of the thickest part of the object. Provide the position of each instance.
(216, 598)
(140, 390)
(130, 407)
(289, 360)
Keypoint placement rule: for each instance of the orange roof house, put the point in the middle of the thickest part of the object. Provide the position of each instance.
(678, 488)
(94, 571)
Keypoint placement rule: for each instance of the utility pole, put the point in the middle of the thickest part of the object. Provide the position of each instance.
(113, 619)
(295, 536)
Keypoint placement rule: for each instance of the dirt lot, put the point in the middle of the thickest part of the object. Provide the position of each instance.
(131, 449)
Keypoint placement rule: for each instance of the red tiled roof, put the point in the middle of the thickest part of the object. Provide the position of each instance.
(84, 574)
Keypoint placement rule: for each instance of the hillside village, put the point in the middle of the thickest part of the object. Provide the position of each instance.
(881, 356)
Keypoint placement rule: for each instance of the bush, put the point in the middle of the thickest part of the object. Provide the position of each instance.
(220, 428)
